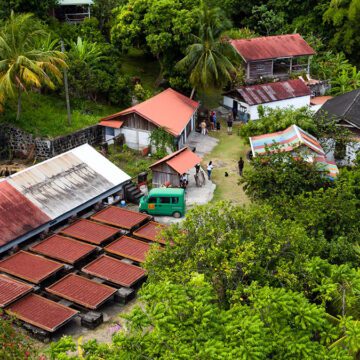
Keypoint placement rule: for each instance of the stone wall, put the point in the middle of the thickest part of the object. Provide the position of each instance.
(20, 144)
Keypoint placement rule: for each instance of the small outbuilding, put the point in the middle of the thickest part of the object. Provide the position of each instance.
(169, 169)
(170, 110)
(246, 99)
(276, 56)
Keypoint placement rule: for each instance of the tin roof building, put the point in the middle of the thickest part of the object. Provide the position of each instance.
(41, 196)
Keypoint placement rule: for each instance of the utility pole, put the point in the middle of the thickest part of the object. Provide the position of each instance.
(66, 85)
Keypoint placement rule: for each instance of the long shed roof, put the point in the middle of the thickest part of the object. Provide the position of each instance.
(151, 231)
(272, 47)
(53, 189)
(11, 290)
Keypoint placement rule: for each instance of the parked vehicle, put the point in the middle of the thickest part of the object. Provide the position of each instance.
(164, 201)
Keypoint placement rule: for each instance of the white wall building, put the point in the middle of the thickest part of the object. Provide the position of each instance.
(247, 99)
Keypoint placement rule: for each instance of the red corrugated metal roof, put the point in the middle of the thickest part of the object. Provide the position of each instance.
(270, 92)
(18, 215)
(63, 248)
(120, 217)
(181, 161)
(272, 47)
(116, 124)
(11, 290)
(115, 271)
(41, 312)
(168, 109)
(30, 267)
(151, 231)
(90, 231)
(129, 248)
(82, 291)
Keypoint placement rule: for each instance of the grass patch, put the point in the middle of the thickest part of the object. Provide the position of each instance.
(225, 157)
(136, 64)
(46, 116)
(130, 161)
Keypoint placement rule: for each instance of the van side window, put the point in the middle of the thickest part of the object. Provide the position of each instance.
(175, 200)
(165, 200)
(152, 200)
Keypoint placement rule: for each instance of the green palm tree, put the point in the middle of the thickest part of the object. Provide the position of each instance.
(24, 64)
(210, 60)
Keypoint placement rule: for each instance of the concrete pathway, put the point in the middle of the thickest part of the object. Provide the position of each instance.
(204, 144)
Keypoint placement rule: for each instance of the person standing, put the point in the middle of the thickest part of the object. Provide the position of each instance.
(203, 127)
(241, 166)
(230, 123)
(234, 112)
(197, 168)
(209, 169)
(214, 119)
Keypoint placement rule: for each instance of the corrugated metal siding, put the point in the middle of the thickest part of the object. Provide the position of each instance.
(82, 291)
(115, 271)
(11, 290)
(41, 312)
(129, 248)
(265, 93)
(18, 215)
(122, 218)
(90, 231)
(63, 248)
(272, 47)
(151, 231)
(29, 266)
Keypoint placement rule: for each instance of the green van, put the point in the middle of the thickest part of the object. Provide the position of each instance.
(164, 201)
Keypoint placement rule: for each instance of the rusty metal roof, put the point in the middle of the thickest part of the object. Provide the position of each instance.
(30, 267)
(168, 109)
(271, 92)
(81, 291)
(115, 271)
(18, 215)
(151, 231)
(181, 161)
(11, 290)
(120, 217)
(90, 231)
(129, 248)
(63, 248)
(43, 313)
(272, 47)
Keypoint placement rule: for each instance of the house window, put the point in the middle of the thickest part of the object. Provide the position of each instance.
(109, 131)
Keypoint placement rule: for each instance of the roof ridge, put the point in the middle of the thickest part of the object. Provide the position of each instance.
(352, 102)
(267, 36)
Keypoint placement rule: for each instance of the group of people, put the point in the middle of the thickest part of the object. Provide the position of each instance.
(215, 125)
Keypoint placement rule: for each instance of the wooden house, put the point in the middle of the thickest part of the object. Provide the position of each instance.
(272, 57)
(171, 110)
(167, 171)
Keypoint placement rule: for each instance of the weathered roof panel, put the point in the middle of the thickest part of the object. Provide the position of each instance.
(11, 290)
(63, 248)
(18, 215)
(81, 291)
(122, 218)
(151, 231)
(90, 231)
(129, 248)
(43, 313)
(272, 47)
(115, 271)
(30, 267)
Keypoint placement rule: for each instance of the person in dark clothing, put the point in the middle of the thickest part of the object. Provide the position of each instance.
(197, 168)
(230, 123)
(234, 112)
(241, 166)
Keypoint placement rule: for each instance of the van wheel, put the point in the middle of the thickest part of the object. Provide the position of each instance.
(143, 212)
(177, 215)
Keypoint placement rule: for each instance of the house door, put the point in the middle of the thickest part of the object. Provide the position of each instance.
(235, 109)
